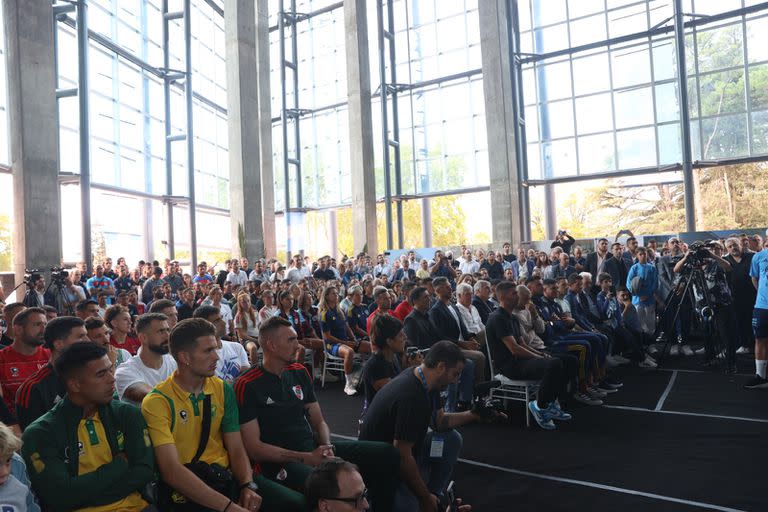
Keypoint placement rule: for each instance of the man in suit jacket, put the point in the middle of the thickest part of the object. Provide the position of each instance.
(447, 322)
(622, 264)
(601, 261)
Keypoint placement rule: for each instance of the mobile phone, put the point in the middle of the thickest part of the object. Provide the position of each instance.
(450, 495)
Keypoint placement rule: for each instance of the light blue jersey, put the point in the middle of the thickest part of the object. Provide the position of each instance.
(759, 270)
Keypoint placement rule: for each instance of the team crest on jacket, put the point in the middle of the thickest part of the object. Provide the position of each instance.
(298, 392)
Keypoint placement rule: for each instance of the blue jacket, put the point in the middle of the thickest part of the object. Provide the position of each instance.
(577, 312)
(516, 268)
(609, 309)
(650, 283)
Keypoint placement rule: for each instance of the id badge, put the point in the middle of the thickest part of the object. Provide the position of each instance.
(436, 446)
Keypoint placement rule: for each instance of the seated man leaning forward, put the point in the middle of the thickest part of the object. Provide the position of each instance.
(90, 451)
(285, 432)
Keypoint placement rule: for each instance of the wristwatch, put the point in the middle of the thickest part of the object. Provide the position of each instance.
(250, 485)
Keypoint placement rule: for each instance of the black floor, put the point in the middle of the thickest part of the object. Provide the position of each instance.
(713, 455)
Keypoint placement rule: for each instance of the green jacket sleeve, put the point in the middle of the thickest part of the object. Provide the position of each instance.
(138, 448)
(50, 476)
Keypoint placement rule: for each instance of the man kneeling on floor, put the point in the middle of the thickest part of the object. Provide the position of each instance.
(285, 433)
(401, 413)
(516, 361)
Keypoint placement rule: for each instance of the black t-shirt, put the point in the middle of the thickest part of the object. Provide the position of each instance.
(510, 257)
(324, 275)
(278, 403)
(377, 368)
(501, 324)
(401, 410)
(495, 269)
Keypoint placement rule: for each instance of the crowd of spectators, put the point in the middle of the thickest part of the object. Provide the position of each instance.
(205, 377)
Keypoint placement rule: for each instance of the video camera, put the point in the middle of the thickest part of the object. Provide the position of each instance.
(698, 254)
(59, 275)
(483, 405)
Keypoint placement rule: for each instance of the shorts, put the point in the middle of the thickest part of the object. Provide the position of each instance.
(760, 322)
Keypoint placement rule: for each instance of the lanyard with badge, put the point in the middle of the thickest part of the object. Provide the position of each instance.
(438, 440)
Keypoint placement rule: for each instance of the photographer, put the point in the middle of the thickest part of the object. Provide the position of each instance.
(564, 240)
(401, 414)
(443, 268)
(36, 296)
(708, 259)
(390, 358)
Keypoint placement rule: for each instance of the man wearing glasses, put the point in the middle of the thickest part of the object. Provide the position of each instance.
(336, 485)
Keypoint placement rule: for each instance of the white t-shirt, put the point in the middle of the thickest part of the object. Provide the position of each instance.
(469, 267)
(232, 357)
(134, 371)
(226, 314)
(239, 278)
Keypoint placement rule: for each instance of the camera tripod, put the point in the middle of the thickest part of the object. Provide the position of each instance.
(61, 298)
(694, 292)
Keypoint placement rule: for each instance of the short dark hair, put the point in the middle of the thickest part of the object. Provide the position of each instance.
(532, 279)
(383, 328)
(323, 482)
(444, 352)
(146, 319)
(83, 304)
(574, 278)
(548, 282)
(58, 328)
(631, 239)
(157, 270)
(440, 281)
(271, 324)
(505, 286)
(21, 318)
(602, 240)
(621, 288)
(75, 357)
(205, 312)
(160, 304)
(13, 305)
(604, 276)
(184, 335)
(50, 309)
(642, 250)
(93, 322)
(416, 293)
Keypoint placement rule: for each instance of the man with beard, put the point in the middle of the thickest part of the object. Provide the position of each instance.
(151, 365)
(90, 452)
(44, 388)
(25, 355)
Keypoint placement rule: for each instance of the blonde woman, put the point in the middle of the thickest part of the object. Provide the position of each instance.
(247, 323)
(338, 336)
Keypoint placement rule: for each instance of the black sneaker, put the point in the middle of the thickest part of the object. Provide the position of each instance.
(756, 382)
(612, 382)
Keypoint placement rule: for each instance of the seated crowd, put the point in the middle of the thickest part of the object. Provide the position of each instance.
(150, 389)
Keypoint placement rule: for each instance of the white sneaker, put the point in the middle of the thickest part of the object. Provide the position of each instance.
(349, 390)
(647, 363)
(621, 359)
(699, 351)
(653, 350)
(674, 350)
(743, 350)
(687, 350)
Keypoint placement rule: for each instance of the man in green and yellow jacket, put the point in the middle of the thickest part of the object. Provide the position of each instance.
(90, 453)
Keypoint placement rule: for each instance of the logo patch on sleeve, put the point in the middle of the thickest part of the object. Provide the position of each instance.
(37, 463)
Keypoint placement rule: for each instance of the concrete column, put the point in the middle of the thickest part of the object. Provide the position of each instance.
(245, 183)
(265, 128)
(34, 134)
(500, 121)
(360, 127)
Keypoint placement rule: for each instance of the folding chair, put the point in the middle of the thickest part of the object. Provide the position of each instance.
(336, 364)
(518, 390)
